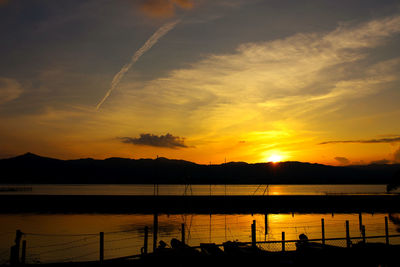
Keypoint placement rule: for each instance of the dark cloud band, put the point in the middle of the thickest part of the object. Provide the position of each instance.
(168, 140)
(370, 141)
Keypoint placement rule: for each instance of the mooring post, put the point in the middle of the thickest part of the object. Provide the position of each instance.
(387, 230)
(14, 254)
(363, 233)
(360, 221)
(283, 241)
(183, 233)
(155, 231)
(253, 234)
(101, 254)
(323, 231)
(348, 241)
(23, 253)
(146, 239)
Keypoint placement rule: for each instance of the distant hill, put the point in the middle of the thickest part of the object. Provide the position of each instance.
(33, 169)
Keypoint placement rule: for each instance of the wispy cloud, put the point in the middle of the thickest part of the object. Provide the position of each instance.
(368, 141)
(273, 80)
(9, 90)
(147, 45)
(168, 140)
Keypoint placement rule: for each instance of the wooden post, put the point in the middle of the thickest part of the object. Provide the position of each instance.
(183, 233)
(14, 253)
(155, 231)
(323, 231)
(387, 230)
(283, 241)
(360, 221)
(348, 240)
(266, 224)
(146, 239)
(23, 253)
(363, 233)
(253, 234)
(101, 254)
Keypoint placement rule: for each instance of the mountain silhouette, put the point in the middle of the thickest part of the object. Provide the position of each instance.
(33, 169)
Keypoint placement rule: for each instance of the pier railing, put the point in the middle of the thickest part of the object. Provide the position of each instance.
(91, 246)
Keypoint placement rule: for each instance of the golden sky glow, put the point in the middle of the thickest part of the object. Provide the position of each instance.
(261, 88)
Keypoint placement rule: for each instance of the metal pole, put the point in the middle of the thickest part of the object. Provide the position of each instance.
(253, 233)
(323, 231)
(183, 233)
(363, 232)
(387, 230)
(101, 258)
(146, 239)
(155, 231)
(348, 241)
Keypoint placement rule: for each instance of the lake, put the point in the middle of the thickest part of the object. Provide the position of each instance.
(75, 237)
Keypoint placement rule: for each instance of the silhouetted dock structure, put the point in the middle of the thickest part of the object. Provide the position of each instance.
(344, 251)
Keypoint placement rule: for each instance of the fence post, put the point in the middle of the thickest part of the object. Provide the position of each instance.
(253, 233)
(363, 233)
(348, 241)
(323, 231)
(146, 239)
(360, 221)
(387, 230)
(101, 254)
(283, 241)
(23, 254)
(14, 254)
(183, 233)
(155, 231)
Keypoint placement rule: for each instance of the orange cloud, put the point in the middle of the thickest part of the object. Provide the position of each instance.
(163, 8)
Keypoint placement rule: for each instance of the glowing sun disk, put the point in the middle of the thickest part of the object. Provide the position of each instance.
(274, 158)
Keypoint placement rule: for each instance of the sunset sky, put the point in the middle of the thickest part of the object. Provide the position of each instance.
(202, 80)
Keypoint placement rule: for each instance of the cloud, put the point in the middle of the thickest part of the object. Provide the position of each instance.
(167, 140)
(147, 45)
(163, 8)
(396, 156)
(342, 160)
(300, 77)
(382, 161)
(9, 90)
(370, 141)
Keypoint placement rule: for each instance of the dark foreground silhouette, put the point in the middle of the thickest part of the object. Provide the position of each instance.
(241, 254)
(33, 169)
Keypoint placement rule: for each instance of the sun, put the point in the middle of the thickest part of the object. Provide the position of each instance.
(274, 158)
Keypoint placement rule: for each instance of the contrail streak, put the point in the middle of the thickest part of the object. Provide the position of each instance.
(149, 44)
